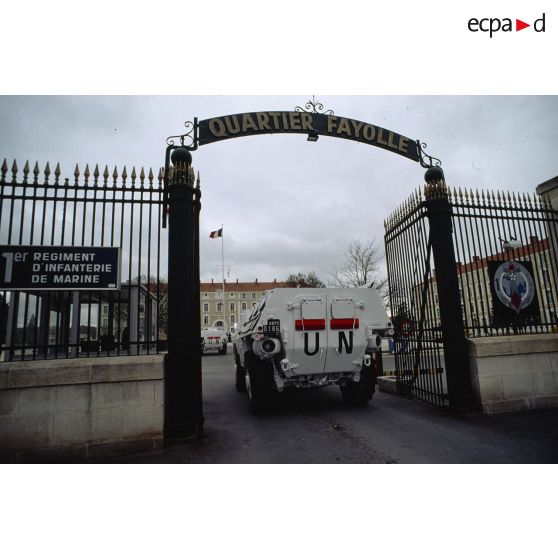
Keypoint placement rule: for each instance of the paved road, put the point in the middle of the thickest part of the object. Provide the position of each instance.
(317, 426)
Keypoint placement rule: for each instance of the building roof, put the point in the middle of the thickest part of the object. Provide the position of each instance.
(534, 247)
(547, 186)
(253, 286)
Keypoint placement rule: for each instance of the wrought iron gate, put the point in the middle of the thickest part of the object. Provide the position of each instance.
(418, 343)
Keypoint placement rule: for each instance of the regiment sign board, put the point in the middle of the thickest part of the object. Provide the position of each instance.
(253, 123)
(28, 268)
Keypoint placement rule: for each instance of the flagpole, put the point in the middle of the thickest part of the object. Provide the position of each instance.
(223, 270)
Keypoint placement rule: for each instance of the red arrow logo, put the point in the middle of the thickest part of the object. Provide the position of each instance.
(519, 25)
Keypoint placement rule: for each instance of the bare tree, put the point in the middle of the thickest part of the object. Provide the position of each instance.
(362, 268)
(301, 280)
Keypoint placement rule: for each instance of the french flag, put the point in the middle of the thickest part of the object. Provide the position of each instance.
(216, 234)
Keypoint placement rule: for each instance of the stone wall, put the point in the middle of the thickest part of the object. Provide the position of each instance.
(80, 409)
(516, 372)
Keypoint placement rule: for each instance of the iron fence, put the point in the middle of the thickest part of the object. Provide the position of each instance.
(492, 229)
(93, 209)
(505, 247)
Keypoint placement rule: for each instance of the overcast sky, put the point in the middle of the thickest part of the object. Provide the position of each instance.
(288, 205)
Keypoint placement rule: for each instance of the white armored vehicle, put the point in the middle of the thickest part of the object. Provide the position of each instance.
(310, 337)
(213, 340)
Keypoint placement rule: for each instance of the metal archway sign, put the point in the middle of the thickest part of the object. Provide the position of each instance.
(312, 120)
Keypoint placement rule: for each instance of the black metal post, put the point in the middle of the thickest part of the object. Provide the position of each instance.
(197, 209)
(183, 398)
(456, 357)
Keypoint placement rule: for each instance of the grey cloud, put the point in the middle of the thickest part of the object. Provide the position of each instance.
(289, 205)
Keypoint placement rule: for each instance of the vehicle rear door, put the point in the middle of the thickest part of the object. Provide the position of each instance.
(308, 345)
(345, 336)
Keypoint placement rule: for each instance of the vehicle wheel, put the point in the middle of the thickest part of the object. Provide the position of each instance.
(262, 395)
(359, 393)
(239, 374)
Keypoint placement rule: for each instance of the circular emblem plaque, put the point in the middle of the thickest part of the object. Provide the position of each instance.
(514, 286)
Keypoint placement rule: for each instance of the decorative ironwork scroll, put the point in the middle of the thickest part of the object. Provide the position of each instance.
(314, 107)
(189, 139)
(423, 156)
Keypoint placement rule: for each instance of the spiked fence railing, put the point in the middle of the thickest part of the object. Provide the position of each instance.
(488, 226)
(93, 209)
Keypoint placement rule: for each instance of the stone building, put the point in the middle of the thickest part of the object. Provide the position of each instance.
(239, 296)
(475, 286)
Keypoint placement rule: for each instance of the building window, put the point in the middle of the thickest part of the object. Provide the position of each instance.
(205, 295)
(253, 295)
(219, 307)
(231, 295)
(206, 306)
(243, 295)
(206, 320)
(253, 304)
(232, 318)
(219, 323)
(231, 306)
(244, 306)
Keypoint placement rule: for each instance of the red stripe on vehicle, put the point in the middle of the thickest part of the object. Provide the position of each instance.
(305, 325)
(344, 323)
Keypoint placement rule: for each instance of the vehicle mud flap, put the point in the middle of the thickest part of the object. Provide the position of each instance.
(360, 393)
(239, 374)
(263, 396)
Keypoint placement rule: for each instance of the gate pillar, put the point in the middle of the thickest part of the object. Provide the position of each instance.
(183, 385)
(456, 357)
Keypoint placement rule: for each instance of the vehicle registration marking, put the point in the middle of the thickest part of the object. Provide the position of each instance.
(272, 326)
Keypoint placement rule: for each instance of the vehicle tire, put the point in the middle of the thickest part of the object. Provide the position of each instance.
(262, 395)
(360, 393)
(239, 374)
